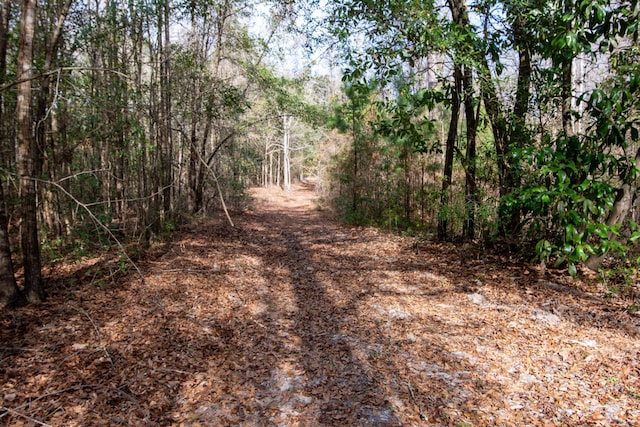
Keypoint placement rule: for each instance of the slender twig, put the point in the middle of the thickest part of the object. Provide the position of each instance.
(415, 401)
(134, 199)
(75, 388)
(97, 221)
(206, 162)
(177, 371)
(9, 85)
(215, 179)
(29, 350)
(75, 175)
(192, 270)
(20, 414)
(95, 327)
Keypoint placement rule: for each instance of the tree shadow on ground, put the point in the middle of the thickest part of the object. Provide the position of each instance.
(344, 364)
(286, 319)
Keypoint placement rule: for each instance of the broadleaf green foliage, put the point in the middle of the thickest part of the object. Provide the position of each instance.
(563, 183)
(576, 178)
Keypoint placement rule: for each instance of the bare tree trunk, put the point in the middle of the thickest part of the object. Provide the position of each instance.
(460, 16)
(356, 154)
(33, 287)
(566, 89)
(471, 191)
(452, 135)
(10, 295)
(507, 142)
(406, 169)
(48, 166)
(285, 152)
(165, 100)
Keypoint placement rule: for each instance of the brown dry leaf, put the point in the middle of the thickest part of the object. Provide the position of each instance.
(293, 319)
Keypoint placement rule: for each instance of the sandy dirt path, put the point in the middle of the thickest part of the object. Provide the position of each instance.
(291, 319)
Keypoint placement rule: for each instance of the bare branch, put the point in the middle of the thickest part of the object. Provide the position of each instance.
(213, 174)
(97, 221)
(13, 83)
(20, 414)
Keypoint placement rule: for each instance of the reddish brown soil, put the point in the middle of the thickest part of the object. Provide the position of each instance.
(291, 319)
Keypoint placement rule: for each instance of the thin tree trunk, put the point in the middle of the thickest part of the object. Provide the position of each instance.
(566, 89)
(452, 135)
(621, 208)
(10, 295)
(471, 191)
(43, 165)
(285, 152)
(33, 287)
(406, 166)
(165, 94)
(507, 142)
(355, 188)
(460, 16)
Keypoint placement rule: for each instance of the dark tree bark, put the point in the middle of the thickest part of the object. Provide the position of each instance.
(10, 295)
(510, 218)
(355, 188)
(509, 130)
(458, 12)
(471, 189)
(44, 130)
(460, 17)
(33, 286)
(165, 101)
(566, 85)
(621, 208)
(452, 135)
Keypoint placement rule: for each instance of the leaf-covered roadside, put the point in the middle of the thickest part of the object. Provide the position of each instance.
(292, 319)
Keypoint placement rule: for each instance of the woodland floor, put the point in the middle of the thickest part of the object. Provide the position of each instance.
(291, 319)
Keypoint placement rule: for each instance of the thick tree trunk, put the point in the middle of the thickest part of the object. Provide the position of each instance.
(33, 287)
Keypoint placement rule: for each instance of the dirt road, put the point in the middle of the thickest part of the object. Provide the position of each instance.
(292, 319)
